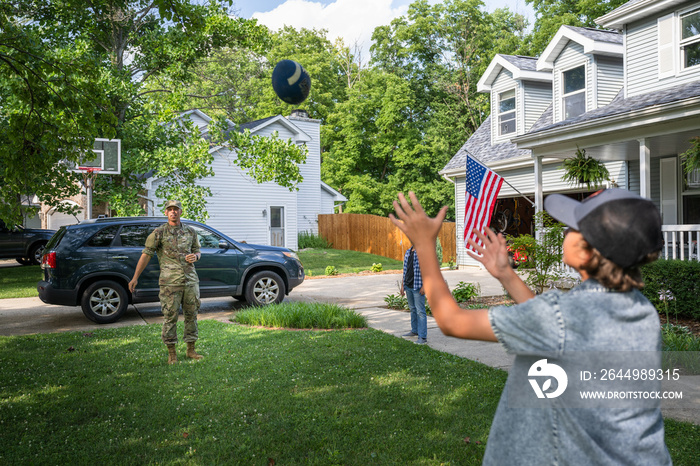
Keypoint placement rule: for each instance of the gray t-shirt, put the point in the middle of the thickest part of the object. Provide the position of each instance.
(588, 318)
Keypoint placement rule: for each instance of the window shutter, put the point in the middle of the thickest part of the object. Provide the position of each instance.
(666, 47)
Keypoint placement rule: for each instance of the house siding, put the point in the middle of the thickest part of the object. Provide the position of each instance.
(504, 82)
(610, 78)
(536, 97)
(309, 195)
(571, 56)
(642, 56)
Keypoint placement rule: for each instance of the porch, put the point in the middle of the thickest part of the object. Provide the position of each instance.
(681, 242)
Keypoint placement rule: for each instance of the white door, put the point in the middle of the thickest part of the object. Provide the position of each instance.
(59, 219)
(277, 226)
(669, 191)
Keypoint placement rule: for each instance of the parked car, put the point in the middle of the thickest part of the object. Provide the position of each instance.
(90, 264)
(26, 245)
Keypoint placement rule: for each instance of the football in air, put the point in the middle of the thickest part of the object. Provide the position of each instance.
(291, 82)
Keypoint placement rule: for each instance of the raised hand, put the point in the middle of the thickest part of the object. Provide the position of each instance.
(492, 253)
(420, 229)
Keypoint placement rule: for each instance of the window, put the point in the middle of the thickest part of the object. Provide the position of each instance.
(574, 92)
(207, 239)
(690, 39)
(135, 235)
(506, 112)
(103, 238)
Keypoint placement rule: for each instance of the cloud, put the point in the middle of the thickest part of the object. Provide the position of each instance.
(353, 20)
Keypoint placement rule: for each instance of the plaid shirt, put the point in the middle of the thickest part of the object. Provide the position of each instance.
(417, 278)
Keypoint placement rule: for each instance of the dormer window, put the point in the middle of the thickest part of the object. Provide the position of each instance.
(506, 112)
(574, 92)
(690, 39)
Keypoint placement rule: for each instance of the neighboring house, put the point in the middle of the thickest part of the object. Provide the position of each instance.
(629, 96)
(263, 213)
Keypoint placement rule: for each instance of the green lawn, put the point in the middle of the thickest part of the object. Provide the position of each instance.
(259, 397)
(316, 261)
(19, 282)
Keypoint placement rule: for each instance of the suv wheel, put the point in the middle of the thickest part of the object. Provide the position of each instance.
(35, 254)
(264, 288)
(104, 302)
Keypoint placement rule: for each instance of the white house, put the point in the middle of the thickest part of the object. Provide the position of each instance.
(628, 95)
(263, 213)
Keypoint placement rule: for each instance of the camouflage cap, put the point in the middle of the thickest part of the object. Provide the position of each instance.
(172, 204)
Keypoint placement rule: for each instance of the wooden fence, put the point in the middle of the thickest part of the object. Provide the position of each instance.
(377, 235)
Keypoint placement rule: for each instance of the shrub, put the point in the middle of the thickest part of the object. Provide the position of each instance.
(438, 251)
(463, 292)
(396, 301)
(673, 287)
(307, 239)
(331, 270)
(544, 254)
(376, 267)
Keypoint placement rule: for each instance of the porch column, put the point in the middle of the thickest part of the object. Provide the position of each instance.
(539, 198)
(644, 169)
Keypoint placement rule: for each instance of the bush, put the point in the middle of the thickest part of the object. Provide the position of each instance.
(544, 254)
(463, 292)
(673, 287)
(306, 239)
(438, 251)
(376, 267)
(396, 301)
(331, 270)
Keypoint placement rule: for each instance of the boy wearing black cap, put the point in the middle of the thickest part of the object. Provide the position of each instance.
(610, 235)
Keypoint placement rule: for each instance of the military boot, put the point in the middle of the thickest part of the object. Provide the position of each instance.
(191, 353)
(172, 355)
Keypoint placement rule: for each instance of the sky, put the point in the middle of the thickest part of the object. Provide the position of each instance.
(353, 20)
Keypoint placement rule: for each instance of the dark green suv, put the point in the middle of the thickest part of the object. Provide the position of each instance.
(26, 245)
(90, 264)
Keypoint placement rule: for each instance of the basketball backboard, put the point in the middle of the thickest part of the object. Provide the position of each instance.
(107, 157)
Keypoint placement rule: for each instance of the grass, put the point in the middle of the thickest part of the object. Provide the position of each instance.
(19, 282)
(302, 315)
(259, 397)
(316, 261)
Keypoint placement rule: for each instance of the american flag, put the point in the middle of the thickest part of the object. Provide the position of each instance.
(482, 190)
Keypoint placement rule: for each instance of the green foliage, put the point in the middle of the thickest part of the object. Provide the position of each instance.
(691, 157)
(307, 239)
(302, 315)
(583, 169)
(673, 287)
(376, 267)
(438, 251)
(331, 270)
(394, 301)
(464, 292)
(544, 254)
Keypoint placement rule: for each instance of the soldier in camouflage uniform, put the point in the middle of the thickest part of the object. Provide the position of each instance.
(177, 247)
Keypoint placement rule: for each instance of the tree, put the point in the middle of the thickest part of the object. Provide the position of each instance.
(50, 106)
(552, 14)
(138, 56)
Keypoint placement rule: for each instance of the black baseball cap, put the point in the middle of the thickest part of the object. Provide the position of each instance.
(623, 226)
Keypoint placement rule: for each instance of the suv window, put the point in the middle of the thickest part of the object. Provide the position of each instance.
(207, 239)
(135, 235)
(103, 238)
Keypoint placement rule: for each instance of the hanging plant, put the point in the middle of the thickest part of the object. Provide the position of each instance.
(582, 169)
(691, 157)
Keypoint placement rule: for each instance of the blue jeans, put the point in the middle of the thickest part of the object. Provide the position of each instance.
(416, 303)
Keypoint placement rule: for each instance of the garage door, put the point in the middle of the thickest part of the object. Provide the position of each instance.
(59, 219)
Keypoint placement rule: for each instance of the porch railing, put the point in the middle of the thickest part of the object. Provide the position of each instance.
(681, 242)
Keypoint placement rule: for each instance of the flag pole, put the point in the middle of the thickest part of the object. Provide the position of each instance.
(504, 180)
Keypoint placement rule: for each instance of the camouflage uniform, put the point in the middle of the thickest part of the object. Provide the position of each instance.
(179, 283)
